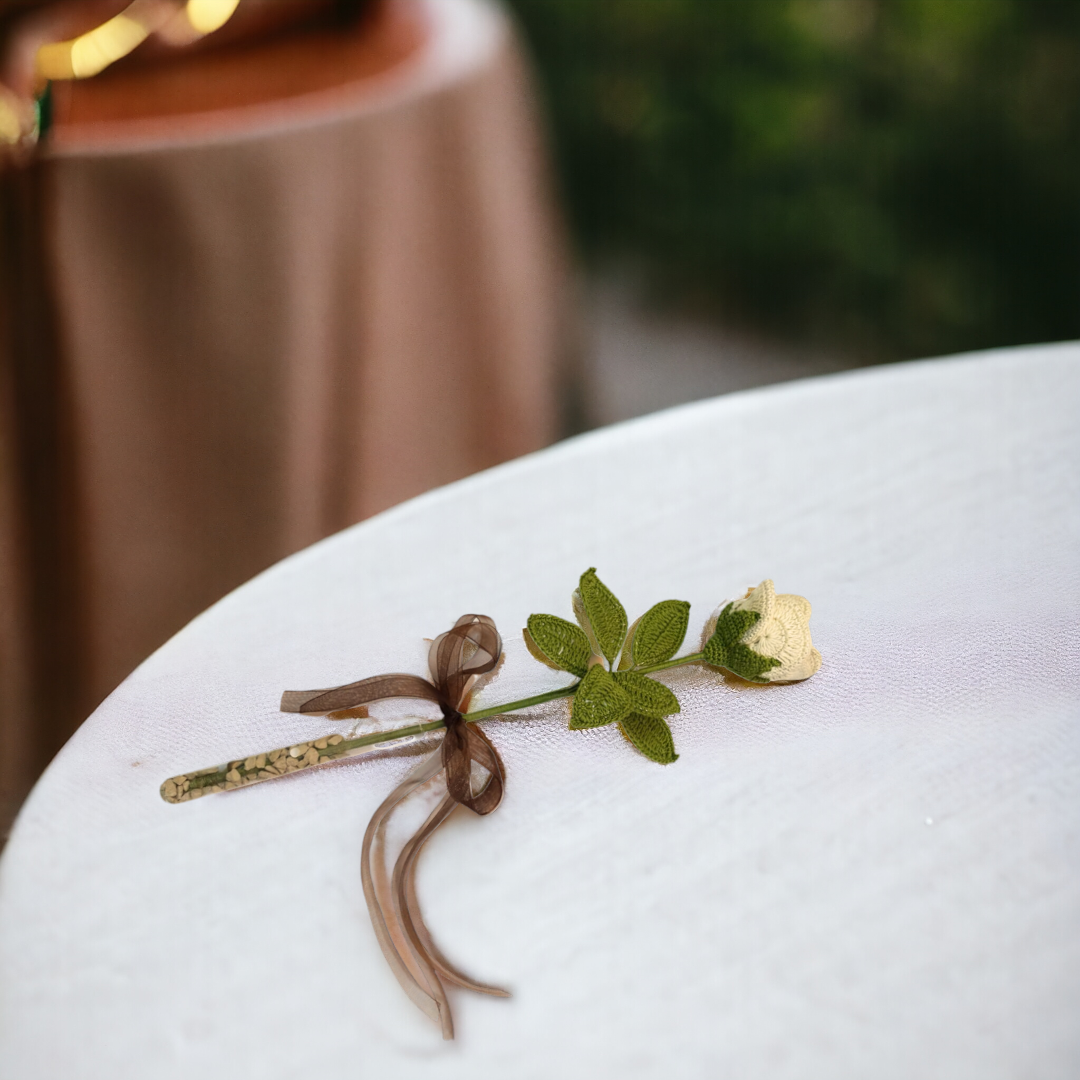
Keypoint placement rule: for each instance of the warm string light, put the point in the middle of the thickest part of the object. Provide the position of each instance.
(206, 16)
(21, 121)
(88, 54)
(12, 118)
(92, 52)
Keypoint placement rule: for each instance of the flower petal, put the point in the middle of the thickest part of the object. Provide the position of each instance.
(782, 632)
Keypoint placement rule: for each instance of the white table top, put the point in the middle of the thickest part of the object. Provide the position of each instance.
(872, 873)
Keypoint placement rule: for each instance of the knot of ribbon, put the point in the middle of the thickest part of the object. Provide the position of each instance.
(473, 773)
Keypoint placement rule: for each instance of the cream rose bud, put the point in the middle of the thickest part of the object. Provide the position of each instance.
(782, 632)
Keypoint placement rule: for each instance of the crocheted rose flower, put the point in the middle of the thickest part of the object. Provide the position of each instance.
(763, 637)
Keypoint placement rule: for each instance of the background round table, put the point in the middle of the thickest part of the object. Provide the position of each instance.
(872, 873)
(296, 282)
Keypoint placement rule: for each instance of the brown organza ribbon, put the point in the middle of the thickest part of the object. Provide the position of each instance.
(457, 659)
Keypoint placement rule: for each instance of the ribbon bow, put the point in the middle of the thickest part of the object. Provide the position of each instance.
(457, 659)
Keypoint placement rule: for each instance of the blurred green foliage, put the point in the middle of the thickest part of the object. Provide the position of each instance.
(900, 177)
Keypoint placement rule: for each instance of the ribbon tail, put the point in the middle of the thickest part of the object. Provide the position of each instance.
(408, 905)
(422, 986)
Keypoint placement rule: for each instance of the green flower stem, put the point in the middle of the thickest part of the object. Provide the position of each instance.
(497, 710)
(223, 777)
(524, 703)
(438, 725)
(394, 733)
(679, 661)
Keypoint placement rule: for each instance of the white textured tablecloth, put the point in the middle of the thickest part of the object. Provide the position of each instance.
(875, 873)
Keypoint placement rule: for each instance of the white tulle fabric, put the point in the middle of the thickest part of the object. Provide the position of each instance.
(873, 873)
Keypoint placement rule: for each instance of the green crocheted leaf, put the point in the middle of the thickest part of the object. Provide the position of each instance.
(558, 643)
(626, 658)
(725, 649)
(598, 700)
(659, 632)
(651, 736)
(605, 617)
(730, 627)
(647, 696)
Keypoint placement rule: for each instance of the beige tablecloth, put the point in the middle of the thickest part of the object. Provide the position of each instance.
(276, 319)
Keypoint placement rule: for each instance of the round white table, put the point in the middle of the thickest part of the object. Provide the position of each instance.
(874, 873)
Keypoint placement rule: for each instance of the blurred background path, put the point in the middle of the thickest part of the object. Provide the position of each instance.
(637, 358)
(856, 181)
